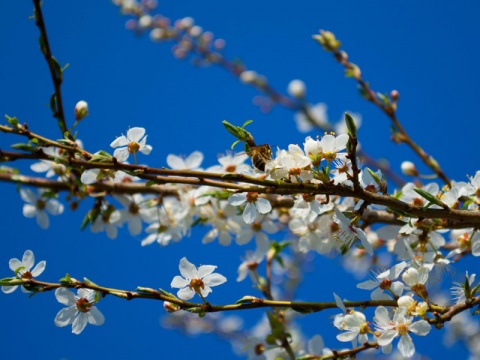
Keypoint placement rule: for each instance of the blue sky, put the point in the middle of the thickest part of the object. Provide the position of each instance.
(426, 50)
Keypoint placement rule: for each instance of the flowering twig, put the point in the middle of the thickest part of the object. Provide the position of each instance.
(387, 105)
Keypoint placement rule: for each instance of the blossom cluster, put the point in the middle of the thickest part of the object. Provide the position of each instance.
(319, 221)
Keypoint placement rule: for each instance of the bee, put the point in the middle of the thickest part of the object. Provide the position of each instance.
(260, 155)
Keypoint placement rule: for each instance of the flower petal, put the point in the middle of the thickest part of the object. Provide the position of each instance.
(28, 196)
(135, 134)
(9, 289)
(65, 316)
(120, 141)
(194, 160)
(179, 282)
(37, 270)
(214, 280)
(134, 225)
(387, 337)
(42, 219)
(79, 323)
(65, 296)
(205, 270)
(421, 328)
(237, 199)
(406, 347)
(28, 260)
(89, 176)
(250, 213)
(95, 317)
(14, 264)
(263, 206)
(121, 154)
(54, 207)
(145, 150)
(348, 335)
(368, 285)
(185, 293)
(29, 210)
(381, 316)
(187, 269)
(175, 162)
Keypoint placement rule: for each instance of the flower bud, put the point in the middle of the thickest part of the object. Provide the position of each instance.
(195, 31)
(170, 307)
(219, 44)
(81, 110)
(394, 94)
(157, 34)
(248, 76)
(145, 22)
(184, 23)
(327, 40)
(409, 169)
(297, 89)
(405, 302)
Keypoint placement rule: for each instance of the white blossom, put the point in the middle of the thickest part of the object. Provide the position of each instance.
(37, 206)
(401, 325)
(191, 162)
(254, 204)
(384, 283)
(24, 270)
(195, 280)
(348, 233)
(249, 264)
(355, 325)
(135, 141)
(458, 290)
(80, 309)
(318, 114)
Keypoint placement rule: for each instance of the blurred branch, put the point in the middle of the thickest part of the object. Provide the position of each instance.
(56, 102)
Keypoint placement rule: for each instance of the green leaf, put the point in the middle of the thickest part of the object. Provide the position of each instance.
(352, 128)
(85, 222)
(88, 282)
(232, 129)
(12, 121)
(384, 98)
(271, 339)
(431, 198)
(24, 147)
(246, 123)
(475, 289)
(400, 212)
(17, 270)
(101, 156)
(374, 176)
(239, 132)
(53, 104)
(66, 279)
(195, 310)
(477, 311)
(235, 143)
(150, 183)
(41, 42)
(58, 68)
(10, 281)
(166, 293)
